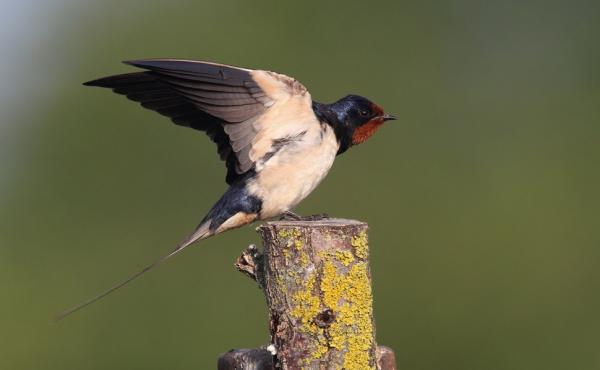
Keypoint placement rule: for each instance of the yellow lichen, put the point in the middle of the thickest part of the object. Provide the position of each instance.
(360, 244)
(288, 233)
(345, 257)
(306, 304)
(290, 237)
(319, 350)
(280, 282)
(303, 259)
(344, 287)
(349, 296)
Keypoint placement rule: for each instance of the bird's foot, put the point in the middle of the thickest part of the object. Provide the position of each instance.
(291, 216)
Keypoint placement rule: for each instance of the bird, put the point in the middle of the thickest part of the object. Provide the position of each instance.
(276, 141)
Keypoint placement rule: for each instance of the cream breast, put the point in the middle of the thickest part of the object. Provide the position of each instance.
(290, 175)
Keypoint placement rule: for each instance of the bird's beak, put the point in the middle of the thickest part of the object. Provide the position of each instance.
(388, 117)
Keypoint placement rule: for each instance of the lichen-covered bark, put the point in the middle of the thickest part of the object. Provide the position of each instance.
(316, 279)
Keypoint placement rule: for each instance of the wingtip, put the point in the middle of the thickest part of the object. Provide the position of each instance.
(98, 82)
(129, 62)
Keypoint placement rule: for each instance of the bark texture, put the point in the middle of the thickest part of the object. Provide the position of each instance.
(317, 283)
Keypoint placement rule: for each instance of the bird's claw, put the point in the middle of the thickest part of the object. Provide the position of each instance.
(291, 216)
(317, 217)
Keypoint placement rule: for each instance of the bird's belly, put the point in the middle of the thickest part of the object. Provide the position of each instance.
(294, 174)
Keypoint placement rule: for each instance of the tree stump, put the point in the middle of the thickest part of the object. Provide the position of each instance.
(317, 283)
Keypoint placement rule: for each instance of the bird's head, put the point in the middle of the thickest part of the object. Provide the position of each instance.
(356, 119)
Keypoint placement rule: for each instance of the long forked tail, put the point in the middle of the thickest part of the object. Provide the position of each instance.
(202, 232)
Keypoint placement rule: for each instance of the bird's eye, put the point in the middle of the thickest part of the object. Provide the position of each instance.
(364, 113)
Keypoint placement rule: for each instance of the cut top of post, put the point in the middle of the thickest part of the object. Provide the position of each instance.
(327, 222)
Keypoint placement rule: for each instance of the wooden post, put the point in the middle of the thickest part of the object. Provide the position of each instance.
(316, 279)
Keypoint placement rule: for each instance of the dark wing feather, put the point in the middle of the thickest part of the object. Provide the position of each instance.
(151, 93)
(224, 101)
(225, 92)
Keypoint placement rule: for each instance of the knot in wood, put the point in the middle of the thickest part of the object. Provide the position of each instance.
(325, 318)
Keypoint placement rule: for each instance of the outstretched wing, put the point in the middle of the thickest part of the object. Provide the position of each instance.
(236, 107)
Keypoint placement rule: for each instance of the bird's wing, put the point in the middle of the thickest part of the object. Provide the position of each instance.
(236, 107)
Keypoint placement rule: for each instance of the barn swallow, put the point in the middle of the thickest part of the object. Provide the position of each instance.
(277, 142)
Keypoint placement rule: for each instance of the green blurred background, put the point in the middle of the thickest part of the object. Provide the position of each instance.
(482, 199)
